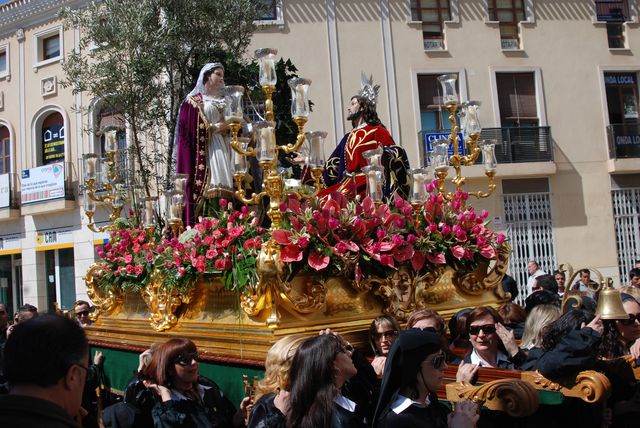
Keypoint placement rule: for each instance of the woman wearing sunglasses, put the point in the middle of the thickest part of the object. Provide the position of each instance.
(414, 372)
(185, 399)
(320, 368)
(621, 337)
(493, 345)
(382, 332)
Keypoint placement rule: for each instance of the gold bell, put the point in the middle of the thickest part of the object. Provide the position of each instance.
(610, 303)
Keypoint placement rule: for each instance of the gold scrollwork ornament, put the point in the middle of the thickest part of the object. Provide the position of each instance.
(475, 283)
(163, 304)
(515, 397)
(103, 304)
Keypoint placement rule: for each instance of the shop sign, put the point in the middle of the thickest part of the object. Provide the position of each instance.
(51, 237)
(9, 243)
(620, 79)
(431, 138)
(53, 144)
(42, 183)
(5, 191)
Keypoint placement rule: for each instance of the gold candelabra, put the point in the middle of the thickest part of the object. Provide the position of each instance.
(114, 191)
(271, 288)
(441, 160)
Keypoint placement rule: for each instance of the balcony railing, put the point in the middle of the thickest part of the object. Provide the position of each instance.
(624, 141)
(513, 145)
(519, 145)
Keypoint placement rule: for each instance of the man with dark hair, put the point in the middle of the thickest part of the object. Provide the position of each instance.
(343, 170)
(82, 309)
(561, 278)
(25, 313)
(585, 284)
(45, 364)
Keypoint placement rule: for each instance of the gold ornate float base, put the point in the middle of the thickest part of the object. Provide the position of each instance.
(216, 320)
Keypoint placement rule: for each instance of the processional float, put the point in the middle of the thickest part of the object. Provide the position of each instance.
(235, 287)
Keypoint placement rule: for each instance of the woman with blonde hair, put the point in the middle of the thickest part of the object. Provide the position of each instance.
(273, 390)
(539, 317)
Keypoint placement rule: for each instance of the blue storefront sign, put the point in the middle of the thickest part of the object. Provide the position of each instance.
(431, 138)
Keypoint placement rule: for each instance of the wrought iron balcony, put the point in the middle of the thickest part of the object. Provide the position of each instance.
(513, 145)
(624, 140)
(524, 144)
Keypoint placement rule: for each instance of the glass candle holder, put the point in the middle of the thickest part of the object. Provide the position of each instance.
(469, 122)
(233, 104)
(239, 160)
(180, 182)
(267, 63)
(117, 195)
(489, 155)
(419, 179)
(440, 158)
(150, 204)
(266, 148)
(176, 202)
(89, 204)
(111, 141)
(374, 156)
(102, 176)
(375, 182)
(89, 162)
(316, 148)
(449, 93)
(299, 97)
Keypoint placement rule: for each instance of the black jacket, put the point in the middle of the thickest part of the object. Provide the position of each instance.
(575, 352)
(265, 414)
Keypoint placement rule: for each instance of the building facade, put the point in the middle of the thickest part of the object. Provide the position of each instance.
(558, 83)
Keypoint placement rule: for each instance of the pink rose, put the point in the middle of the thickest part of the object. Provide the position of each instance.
(457, 251)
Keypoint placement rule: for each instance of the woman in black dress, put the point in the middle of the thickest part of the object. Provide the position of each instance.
(414, 371)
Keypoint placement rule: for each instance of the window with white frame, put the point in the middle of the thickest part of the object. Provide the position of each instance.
(270, 12)
(48, 46)
(517, 99)
(614, 14)
(4, 60)
(432, 14)
(508, 13)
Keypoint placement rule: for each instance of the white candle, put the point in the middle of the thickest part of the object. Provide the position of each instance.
(148, 213)
(176, 213)
(316, 150)
(266, 148)
(91, 166)
(179, 185)
(269, 72)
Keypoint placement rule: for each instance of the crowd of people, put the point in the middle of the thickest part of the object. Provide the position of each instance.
(322, 380)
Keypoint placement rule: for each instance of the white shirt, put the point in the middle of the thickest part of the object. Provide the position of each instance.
(402, 403)
(345, 403)
(532, 280)
(477, 359)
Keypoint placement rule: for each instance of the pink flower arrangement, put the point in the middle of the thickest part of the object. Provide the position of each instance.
(224, 245)
(127, 259)
(358, 238)
(379, 237)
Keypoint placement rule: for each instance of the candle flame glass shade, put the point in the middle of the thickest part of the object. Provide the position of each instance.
(267, 62)
(89, 204)
(449, 94)
(240, 160)
(374, 156)
(233, 104)
(419, 179)
(299, 97)
(441, 155)
(89, 163)
(180, 182)
(266, 148)
(150, 205)
(316, 148)
(117, 195)
(375, 182)
(489, 155)
(111, 141)
(175, 202)
(469, 119)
